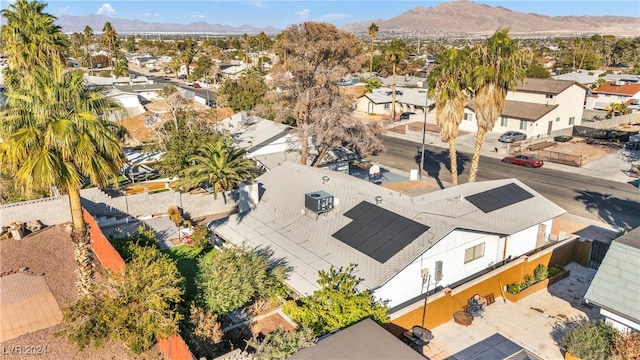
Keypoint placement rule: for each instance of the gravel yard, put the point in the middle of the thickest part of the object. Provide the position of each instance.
(50, 252)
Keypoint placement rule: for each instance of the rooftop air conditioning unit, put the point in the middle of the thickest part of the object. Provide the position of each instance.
(318, 201)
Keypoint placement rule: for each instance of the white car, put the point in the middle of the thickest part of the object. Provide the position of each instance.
(188, 83)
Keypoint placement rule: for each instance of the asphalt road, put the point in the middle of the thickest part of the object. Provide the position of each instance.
(615, 203)
(157, 77)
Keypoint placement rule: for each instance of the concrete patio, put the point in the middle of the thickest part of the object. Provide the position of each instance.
(533, 324)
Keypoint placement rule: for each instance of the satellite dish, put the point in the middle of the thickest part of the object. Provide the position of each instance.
(374, 170)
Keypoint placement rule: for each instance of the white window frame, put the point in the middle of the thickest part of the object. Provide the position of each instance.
(523, 125)
(504, 122)
(572, 120)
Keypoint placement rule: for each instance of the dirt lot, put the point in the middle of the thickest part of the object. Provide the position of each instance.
(589, 152)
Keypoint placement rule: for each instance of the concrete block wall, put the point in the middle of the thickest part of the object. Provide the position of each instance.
(50, 211)
(145, 204)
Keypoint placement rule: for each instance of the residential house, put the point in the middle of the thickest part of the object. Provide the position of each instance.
(616, 286)
(380, 101)
(362, 340)
(316, 218)
(405, 81)
(183, 68)
(538, 108)
(256, 135)
(234, 71)
(620, 92)
(583, 77)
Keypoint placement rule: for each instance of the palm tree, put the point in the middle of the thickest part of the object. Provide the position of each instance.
(219, 164)
(30, 38)
(88, 35)
(373, 32)
(448, 81)
(109, 40)
(57, 133)
(395, 53)
(188, 50)
(246, 41)
(499, 68)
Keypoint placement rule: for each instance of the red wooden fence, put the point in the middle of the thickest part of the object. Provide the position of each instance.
(173, 347)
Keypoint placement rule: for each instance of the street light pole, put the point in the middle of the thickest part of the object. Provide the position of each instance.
(424, 129)
(207, 73)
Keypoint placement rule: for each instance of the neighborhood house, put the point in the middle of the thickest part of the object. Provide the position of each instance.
(402, 245)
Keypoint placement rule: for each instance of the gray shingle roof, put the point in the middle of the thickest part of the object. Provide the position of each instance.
(363, 340)
(280, 222)
(616, 285)
(546, 86)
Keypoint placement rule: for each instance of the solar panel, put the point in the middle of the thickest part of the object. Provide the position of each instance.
(500, 197)
(377, 232)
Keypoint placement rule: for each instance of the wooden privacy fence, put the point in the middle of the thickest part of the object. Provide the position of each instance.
(560, 158)
(101, 246)
(173, 347)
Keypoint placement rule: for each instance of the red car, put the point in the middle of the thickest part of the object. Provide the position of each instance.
(524, 160)
(196, 85)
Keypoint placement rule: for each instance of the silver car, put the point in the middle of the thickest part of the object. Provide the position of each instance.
(512, 136)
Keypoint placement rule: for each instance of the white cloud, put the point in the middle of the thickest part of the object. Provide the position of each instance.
(333, 17)
(304, 14)
(258, 4)
(146, 14)
(198, 16)
(64, 10)
(106, 9)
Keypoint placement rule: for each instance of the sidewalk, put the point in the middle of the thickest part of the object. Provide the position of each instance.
(611, 167)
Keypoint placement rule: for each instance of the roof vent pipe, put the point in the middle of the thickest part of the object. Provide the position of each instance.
(325, 179)
(378, 200)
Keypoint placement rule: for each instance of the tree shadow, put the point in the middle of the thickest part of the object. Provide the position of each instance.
(269, 254)
(434, 160)
(626, 210)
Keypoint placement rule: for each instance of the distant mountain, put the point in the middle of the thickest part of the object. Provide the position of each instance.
(125, 26)
(468, 17)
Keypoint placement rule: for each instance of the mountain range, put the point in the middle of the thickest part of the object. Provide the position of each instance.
(456, 17)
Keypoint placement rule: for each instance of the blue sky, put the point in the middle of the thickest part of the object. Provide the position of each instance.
(281, 14)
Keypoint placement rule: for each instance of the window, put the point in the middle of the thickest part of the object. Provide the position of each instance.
(557, 119)
(468, 116)
(387, 106)
(572, 120)
(549, 96)
(474, 253)
(503, 121)
(523, 125)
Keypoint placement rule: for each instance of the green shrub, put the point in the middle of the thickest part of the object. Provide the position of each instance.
(590, 340)
(555, 270)
(527, 281)
(514, 288)
(541, 272)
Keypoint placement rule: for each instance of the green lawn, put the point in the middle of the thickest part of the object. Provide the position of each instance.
(187, 261)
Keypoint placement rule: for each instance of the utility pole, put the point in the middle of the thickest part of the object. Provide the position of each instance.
(424, 127)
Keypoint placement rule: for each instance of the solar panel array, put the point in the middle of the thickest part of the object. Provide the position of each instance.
(499, 197)
(377, 232)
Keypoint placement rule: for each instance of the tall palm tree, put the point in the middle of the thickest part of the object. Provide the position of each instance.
(246, 42)
(109, 40)
(88, 35)
(219, 164)
(57, 133)
(395, 53)
(500, 66)
(373, 32)
(30, 38)
(448, 82)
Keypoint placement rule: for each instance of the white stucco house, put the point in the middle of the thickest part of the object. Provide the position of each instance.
(538, 108)
(615, 288)
(380, 101)
(618, 92)
(316, 218)
(256, 135)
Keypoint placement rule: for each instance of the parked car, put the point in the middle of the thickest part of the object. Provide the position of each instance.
(196, 85)
(512, 136)
(405, 115)
(182, 76)
(189, 83)
(166, 78)
(524, 160)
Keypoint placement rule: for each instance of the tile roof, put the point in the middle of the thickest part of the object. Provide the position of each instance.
(611, 88)
(616, 285)
(305, 240)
